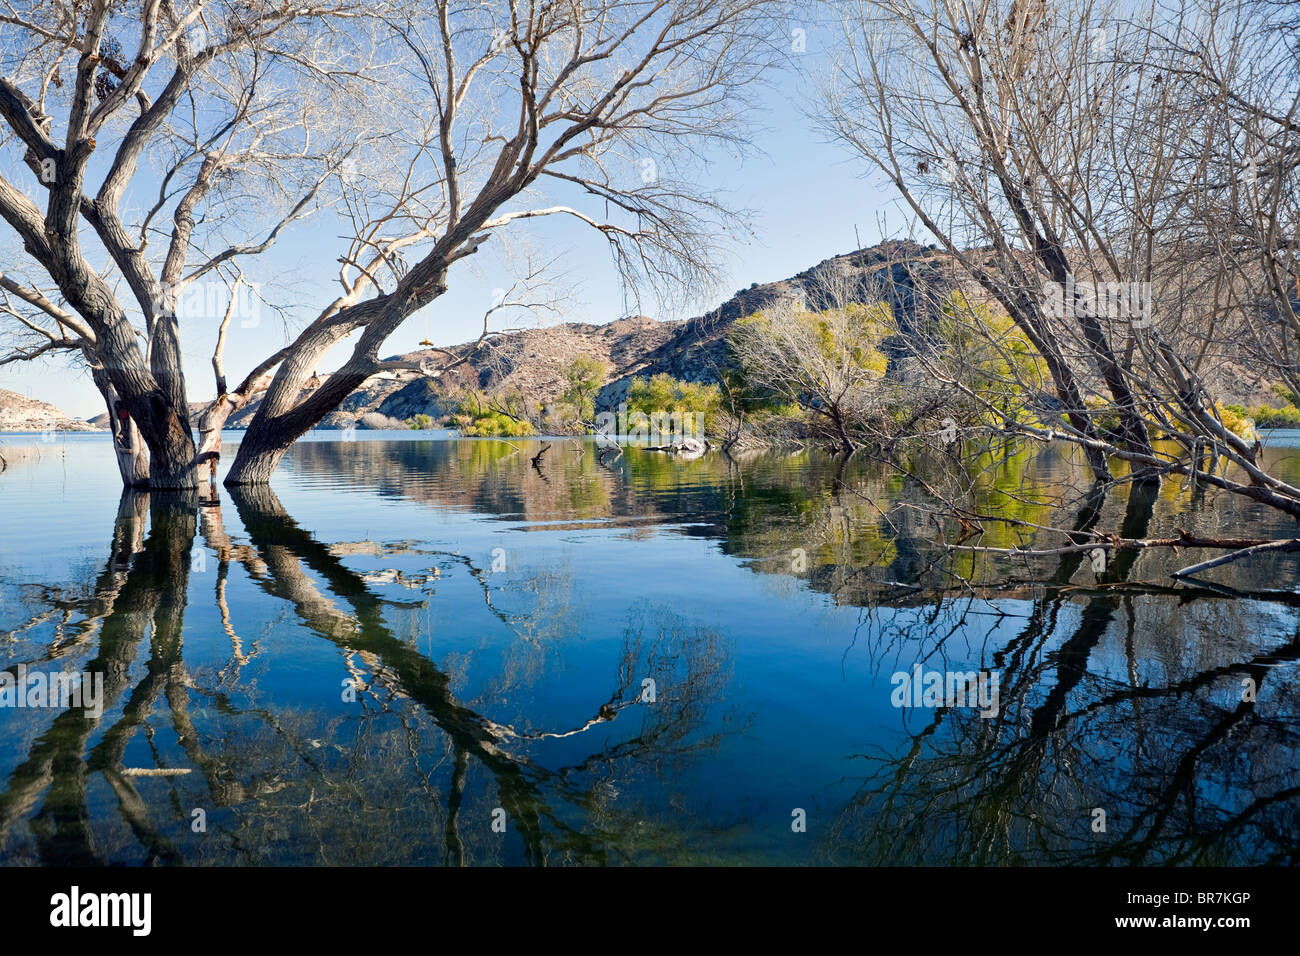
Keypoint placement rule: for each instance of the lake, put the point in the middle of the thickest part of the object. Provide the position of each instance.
(415, 649)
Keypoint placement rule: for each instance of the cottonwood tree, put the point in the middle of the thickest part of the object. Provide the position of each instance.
(983, 118)
(153, 147)
(427, 132)
(824, 360)
(1244, 213)
(1071, 158)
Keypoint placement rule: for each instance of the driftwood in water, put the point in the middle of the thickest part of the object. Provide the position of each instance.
(683, 446)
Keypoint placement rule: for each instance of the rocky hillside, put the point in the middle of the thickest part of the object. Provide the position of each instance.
(906, 274)
(532, 361)
(696, 349)
(18, 413)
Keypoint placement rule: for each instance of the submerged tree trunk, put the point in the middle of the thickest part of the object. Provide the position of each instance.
(286, 413)
(161, 453)
(1028, 319)
(270, 436)
(846, 445)
(150, 384)
(260, 451)
(154, 449)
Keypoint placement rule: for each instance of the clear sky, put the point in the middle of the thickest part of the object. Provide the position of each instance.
(807, 196)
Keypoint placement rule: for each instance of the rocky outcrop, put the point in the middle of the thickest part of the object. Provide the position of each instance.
(18, 413)
(420, 397)
(533, 361)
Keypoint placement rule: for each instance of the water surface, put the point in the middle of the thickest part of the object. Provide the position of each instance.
(423, 650)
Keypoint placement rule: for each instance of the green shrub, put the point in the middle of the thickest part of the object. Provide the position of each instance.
(1287, 416)
(475, 420)
(663, 393)
(1266, 416)
(1236, 422)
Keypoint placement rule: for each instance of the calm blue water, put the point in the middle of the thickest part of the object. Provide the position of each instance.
(427, 650)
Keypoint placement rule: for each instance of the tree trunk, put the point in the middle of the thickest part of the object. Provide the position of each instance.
(285, 414)
(157, 409)
(270, 436)
(1051, 253)
(259, 454)
(128, 443)
(162, 461)
(846, 443)
(1132, 427)
(211, 423)
(1026, 316)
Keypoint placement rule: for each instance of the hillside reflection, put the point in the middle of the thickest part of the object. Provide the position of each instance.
(862, 528)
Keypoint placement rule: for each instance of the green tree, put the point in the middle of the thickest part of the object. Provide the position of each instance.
(698, 404)
(583, 377)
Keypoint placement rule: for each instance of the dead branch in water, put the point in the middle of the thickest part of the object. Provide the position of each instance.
(1284, 545)
(1239, 548)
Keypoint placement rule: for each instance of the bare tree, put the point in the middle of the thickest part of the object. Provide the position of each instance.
(220, 99)
(825, 361)
(430, 130)
(1075, 161)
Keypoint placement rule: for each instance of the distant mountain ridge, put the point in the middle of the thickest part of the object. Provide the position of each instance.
(18, 413)
(909, 276)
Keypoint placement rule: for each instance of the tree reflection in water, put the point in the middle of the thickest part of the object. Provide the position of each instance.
(276, 783)
(1119, 690)
(1186, 770)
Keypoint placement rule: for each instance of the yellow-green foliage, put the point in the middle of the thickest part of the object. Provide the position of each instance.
(860, 329)
(1235, 418)
(663, 393)
(811, 359)
(1103, 415)
(755, 401)
(476, 420)
(1288, 397)
(1236, 422)
(1266, 416)
(997, 360)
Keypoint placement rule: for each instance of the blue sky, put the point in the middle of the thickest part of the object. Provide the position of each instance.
(807, 196)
